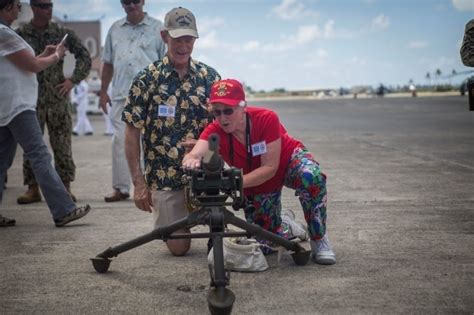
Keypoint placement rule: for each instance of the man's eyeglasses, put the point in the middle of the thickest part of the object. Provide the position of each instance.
(43, 6)
(128, 2)
(225, 111)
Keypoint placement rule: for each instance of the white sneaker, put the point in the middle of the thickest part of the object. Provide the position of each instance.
(288, 212)
(296, 229)
(322, 252)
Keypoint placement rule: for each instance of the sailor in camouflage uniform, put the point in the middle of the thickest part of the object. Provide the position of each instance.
(53, 108)
(467, 48)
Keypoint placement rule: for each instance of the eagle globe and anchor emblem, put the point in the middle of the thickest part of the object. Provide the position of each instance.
(222, 89)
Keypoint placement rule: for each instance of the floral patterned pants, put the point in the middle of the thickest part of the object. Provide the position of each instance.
(305, 177)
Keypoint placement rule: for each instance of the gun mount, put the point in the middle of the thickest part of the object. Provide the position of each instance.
(211, 184)
(209, 190)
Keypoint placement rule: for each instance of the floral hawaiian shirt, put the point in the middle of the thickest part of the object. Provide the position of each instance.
(168, 110)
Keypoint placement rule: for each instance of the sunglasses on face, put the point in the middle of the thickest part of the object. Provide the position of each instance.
(43, 6)
(225, 111)
(128, 2)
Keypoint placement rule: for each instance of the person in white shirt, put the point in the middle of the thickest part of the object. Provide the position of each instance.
(80, 99)
(18, 121)
(412, 89)
(109, 128)
(132, 43)
(94, 88)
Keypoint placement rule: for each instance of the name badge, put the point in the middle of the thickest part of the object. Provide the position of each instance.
(166, 111)
(259, 148)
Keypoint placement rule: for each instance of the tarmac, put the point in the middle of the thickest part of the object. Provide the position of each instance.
(400, 218)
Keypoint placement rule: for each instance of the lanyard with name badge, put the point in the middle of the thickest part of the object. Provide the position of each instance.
(247, 144)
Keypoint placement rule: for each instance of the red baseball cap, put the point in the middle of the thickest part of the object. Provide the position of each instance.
(229, 92)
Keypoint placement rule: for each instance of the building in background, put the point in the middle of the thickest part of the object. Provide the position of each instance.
(88, 32)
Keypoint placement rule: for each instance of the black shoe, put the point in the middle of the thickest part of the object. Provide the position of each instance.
(90, 133)
(74, 215)
(4, 222)
(75, 133)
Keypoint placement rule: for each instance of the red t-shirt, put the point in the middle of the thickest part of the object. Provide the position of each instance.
(265, 128)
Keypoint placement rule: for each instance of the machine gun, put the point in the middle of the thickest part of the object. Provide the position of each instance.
(209, 190)
(212, 185)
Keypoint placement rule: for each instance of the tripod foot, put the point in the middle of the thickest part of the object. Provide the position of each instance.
(301, 258)
(220, 301)
(101, 265)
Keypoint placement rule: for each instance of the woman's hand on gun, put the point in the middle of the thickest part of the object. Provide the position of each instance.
(190, 161)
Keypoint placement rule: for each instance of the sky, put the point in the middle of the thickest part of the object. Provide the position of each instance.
(314, 44)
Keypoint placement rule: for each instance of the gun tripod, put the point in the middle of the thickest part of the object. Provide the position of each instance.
(220, 299)
(208, 190)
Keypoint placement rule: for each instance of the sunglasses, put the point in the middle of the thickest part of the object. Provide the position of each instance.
(128, 2)
(225, 111)
(43, 6)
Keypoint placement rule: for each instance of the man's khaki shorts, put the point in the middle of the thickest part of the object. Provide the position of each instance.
(168, 206)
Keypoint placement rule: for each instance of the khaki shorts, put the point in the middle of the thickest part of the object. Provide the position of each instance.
(168, 206)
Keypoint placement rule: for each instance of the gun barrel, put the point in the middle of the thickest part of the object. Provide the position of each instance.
(215, 164)
(214, 142)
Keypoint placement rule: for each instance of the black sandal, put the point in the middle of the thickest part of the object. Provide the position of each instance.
(74, 215)
(4, 222)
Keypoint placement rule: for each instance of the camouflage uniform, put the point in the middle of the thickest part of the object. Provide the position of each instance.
(53, 109)
(467, 48)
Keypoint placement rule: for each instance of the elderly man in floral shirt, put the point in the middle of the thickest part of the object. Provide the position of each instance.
(167, 107)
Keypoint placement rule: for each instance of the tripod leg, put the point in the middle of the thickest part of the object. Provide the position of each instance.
(101, 262)
(219, 279)
(300, 256)
(256, 230)
(220, 299)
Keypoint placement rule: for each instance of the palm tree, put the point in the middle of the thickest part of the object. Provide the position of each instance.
(428, 78)
(438, 75)
(453, 74)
